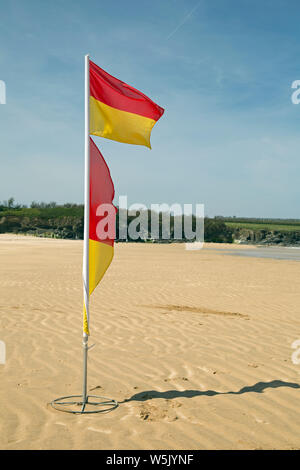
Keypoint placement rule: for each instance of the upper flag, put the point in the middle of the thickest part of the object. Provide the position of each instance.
(118, 111)
(102, 229)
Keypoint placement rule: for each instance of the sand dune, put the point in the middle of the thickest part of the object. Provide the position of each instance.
(195, 345)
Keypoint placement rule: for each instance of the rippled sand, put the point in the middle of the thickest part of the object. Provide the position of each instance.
(196, 345)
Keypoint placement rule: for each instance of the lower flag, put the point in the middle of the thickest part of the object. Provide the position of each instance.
(102, 221)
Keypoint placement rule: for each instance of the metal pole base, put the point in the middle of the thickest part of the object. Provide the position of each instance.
(78, 406)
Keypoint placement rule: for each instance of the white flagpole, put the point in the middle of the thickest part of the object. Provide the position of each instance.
(106, 404)
(86, 222)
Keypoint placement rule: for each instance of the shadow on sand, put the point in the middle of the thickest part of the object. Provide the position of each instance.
(259, 387)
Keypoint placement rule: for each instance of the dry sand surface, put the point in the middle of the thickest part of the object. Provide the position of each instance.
(195, 345)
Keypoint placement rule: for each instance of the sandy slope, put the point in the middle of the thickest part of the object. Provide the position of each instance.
(196, 344)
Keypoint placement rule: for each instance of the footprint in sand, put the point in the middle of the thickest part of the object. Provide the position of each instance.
(166, 412)
(171, 379)
(203, 310)
(95, 388)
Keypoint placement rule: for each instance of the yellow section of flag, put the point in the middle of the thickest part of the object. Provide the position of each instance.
(118, 125)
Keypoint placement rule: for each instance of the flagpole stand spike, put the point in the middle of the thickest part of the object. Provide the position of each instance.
(76, 405)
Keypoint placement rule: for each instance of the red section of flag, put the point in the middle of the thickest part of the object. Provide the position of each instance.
(102, 193)
(117, 94)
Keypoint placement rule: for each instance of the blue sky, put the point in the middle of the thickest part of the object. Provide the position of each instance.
(222, 69)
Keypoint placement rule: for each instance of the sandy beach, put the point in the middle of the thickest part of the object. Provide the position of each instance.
(195, 345)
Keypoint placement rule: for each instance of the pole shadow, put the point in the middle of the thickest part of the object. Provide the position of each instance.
(259, 387)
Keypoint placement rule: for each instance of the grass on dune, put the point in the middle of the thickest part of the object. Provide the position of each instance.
(264, 226)
(45, 213)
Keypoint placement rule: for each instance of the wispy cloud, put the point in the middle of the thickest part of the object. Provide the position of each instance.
(185, 19)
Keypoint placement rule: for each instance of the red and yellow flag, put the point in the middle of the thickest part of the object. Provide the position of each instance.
(122, 113)
(118, 111)
(102, 221)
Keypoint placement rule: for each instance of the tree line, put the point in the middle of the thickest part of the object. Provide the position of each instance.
(67, 221)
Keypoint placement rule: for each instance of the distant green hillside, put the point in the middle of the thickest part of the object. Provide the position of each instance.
(66, 221)
(285, 232)
(265, 226)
